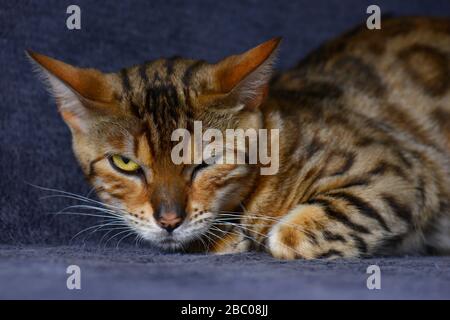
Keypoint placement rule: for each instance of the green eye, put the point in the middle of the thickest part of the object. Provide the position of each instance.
(124, 164)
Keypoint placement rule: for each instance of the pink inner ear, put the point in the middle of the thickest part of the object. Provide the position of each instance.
(260, 96)
(232, 70)
(88, 83)
(73, 121)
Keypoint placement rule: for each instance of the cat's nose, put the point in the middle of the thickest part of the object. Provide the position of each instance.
(170, 221)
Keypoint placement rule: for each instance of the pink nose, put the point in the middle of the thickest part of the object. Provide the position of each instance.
(169, 221)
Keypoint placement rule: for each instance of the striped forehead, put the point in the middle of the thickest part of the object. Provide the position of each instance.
(162, 73)
(158, 93)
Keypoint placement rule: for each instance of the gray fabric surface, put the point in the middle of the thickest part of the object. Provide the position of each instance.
(131, 273)
(35, 247)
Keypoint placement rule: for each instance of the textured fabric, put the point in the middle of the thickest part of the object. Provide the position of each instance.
(35, 147)
(130, 273)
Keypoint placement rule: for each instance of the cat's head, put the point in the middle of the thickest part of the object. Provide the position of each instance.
(122, 125)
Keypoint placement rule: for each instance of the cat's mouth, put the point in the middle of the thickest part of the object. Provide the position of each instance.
(171, 242)
(178, 239)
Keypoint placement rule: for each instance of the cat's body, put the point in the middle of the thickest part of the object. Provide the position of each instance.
(365, 130)
(364, 146)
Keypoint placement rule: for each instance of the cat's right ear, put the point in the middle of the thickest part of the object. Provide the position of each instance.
(80, 93)
(242, 80)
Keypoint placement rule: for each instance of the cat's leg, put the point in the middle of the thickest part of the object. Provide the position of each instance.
(326, 229)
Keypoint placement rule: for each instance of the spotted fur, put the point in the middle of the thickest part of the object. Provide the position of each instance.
(364, 145)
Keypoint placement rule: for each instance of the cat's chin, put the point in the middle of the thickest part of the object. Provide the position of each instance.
(169, 245)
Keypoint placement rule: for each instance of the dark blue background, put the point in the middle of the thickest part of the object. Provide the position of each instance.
(35, 144)
(35, 148)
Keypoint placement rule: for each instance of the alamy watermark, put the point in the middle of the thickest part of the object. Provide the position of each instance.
(73, 22)
(374, 280)
(73, 281)
(374, 20)
(238, 146)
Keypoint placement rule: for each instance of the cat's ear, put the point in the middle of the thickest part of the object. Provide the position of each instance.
(80, 93)
(244, 78)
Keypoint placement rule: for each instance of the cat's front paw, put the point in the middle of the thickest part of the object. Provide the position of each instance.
(292, 237)
(286, 243)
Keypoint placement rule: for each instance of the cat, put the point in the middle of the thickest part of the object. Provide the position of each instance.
(364, 129)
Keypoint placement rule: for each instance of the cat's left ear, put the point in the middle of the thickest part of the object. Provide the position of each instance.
(244, 78)
(80, 93)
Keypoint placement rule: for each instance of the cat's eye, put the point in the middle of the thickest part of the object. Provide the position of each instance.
(124, 164)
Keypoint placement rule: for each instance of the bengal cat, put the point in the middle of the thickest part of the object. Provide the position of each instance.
(364, 145)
